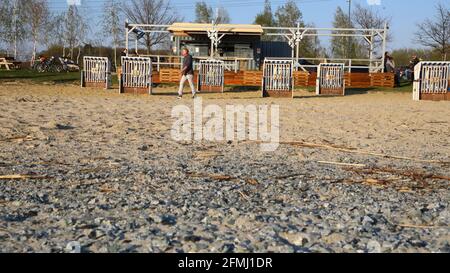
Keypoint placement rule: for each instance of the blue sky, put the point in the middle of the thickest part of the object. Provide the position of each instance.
(404, 13)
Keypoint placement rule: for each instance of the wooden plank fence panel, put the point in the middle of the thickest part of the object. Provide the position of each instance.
(301, 78)
(382, 80)
(252, 78)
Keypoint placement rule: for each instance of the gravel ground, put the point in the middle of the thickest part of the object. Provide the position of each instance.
(100, 173)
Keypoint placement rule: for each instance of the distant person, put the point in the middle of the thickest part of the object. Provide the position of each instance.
(187, 73)
(412, 64)
(414, 61)
(390, 64)
(386, 60)
(124, 53)
(390, 68)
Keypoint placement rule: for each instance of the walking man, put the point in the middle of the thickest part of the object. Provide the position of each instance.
(187, 73)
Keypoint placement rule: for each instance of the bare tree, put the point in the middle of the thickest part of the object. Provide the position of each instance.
(75, 30)
(153, 12)
(56, 35)
(111, 24)
(37, 14)
(3, 18)
(222, 16)
(70, 29)
(436, 33)
(12, 23)
(368, 18)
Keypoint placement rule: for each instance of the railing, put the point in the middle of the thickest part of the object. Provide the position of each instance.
(374, 65)
(234, 63)
(160, 61)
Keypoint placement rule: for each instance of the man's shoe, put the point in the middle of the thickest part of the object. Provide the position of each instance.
(194, 95)
(179, 97)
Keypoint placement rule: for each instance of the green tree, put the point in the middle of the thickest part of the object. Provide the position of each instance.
(265, 18)
(403, 56)
(288, 15)
(203, 13)
(344, 47)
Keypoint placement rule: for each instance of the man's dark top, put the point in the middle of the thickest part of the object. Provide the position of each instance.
(413, 63)
(188, 63)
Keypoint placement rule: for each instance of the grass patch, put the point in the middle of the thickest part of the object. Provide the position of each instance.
(17, 75)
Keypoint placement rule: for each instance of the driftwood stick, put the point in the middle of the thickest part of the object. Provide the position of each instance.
(353, 150)
(220, 177)
(421, 226)
(19, 138)
(341, 164)
(21, 176)
(404, 173)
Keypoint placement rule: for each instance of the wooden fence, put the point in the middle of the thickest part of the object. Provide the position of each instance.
(301, 78)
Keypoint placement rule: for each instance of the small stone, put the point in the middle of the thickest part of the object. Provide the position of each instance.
(334, 238)
(192, 238)
(214, 213)
(144, 148)
(367, 221)
(228, 248)
(73, 247)
(297, 239)
(168, 220)
(373, 247)
(90, 233)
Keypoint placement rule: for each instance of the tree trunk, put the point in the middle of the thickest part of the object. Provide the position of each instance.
(15, 46)
(115, 56)
(149, 44)
(79, 53)
(33, 55)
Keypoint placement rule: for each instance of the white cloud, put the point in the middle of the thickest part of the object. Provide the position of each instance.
(374, 2)
(74, 2)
